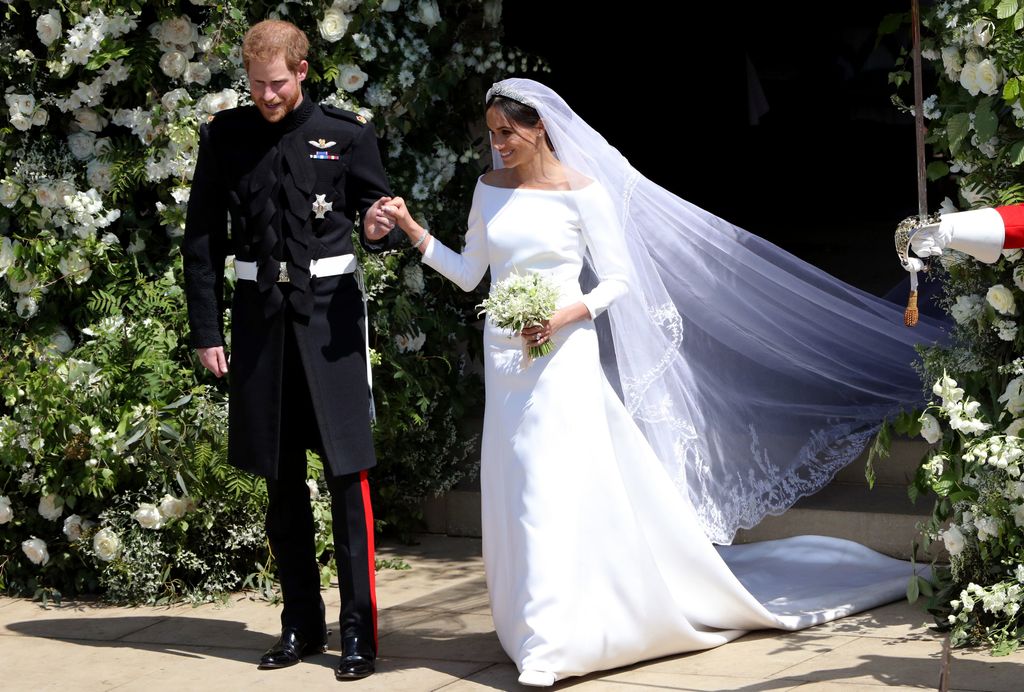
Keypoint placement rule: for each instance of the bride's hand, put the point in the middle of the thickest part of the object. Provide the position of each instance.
(394, 212)
(538, 334)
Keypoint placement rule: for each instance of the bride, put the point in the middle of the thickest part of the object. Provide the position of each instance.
(731, 380)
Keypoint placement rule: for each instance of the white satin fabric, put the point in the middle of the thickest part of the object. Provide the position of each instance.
(593, 558)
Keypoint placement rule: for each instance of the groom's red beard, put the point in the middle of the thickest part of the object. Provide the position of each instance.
(276, 110)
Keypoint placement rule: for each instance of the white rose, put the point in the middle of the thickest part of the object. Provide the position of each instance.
(173, 63)
(82, 145)
(197, 73)
(47, 196)
(10, 191)
(930, 429)
(430, 14)
(148, 516)
(48, 27)
(26, 307)
(953, 539)
(172, 508)
(51, 506)
(75, 267)
(40, 117)
(314, 489)
(6, 513)
(73, 528)
(334, 24)
(982, 32)
(20, 104)
(60, 341)
(350, 78)
(20, 122)
(390, 5)
(172, 98)
(988, 77)
(1000, 298)
(178, 32)
(99, 174)
(23, 286)
(951, 62)
(219, 101)
(89, 119)
(35, 550)
(969, 78)
(106, 545)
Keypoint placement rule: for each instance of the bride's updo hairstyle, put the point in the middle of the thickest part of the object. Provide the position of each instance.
(517, 113)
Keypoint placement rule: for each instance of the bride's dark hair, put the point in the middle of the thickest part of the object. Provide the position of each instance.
(518, 114)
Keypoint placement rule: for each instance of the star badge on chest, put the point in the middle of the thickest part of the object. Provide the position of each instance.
(321, 206)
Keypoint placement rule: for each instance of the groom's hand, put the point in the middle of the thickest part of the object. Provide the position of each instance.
(372, 226)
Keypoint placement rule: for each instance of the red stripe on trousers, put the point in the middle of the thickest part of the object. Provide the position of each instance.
(364, 483)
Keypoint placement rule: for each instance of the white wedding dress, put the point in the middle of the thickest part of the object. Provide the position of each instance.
(594, 558)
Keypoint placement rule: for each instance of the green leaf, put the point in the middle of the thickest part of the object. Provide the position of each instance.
(986, 122)
(891, 23)
(1018, 20)
(1015, 156)
(937, 170)
(957, 129)
(913, 589)
(1006, 8)
(1011, 90)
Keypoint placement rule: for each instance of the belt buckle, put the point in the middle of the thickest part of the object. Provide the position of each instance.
(282, 274)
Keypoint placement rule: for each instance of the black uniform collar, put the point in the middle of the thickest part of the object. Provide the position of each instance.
(297, 117)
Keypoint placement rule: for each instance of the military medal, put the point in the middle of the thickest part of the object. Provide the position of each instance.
(321, 206)
(321, 145)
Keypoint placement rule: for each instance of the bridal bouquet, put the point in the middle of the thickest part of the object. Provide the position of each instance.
(522, 301)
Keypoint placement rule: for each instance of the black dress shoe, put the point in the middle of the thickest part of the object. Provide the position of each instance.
(356, 659)
(291, 648)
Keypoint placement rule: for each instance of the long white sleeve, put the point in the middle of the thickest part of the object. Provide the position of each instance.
(603, 235)
(467, 268)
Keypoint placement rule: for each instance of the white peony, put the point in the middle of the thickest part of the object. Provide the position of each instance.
(75, 267)
(219, 101)
(106, 545)
(1001, 298)
(172, 507)
(988, 77)
(429, 12)
(953, 540)
(988, 527)
(51, 506)
(197, 73)
(24, 285)
(334, 24)
(969, 78)
(20, 104)
(174, 97)
(930, 428)
(48, 27)
(60, 341)
(173, 63)
(350, 78)
(73, 528)
(148, 516)
(6, 513)
(89, 119)
(982, 32)
(40, 117)
(35, 550)
(82, 145)
(178, 33)
(100, 174)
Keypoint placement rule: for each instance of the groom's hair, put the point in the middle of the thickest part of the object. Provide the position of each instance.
(273, 37)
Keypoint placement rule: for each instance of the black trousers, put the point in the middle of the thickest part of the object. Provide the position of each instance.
(290, 524)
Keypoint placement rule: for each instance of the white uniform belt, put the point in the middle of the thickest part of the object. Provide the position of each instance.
(328, 266)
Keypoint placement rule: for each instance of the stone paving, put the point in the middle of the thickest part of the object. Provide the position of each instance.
(436, 634)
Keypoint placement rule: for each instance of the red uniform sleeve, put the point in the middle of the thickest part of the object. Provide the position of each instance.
(1013, 222)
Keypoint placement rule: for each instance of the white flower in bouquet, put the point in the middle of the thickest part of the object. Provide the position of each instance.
(413, 278)
(26, 307)
(946, 388)
(6, 254)
(347, 5)
(521, 301)
(181, 194)
(982, 32)
(75, 267)
(1006, 330)
(429, 12)
(314, 489)
(23, 285)
(40, 117)
(172, 507)
(333, 24)
(988, 527)
(48, 27)
(35, 550)
(1018, 277)
(197, 73)
(390, 5)
(1018, 519)
(1014, 428)
(10, 193)
(969, 78)
(173, 63)
(409, 343)
(73, 528)
(89, 119)
(20, 104)
(954, 540)
(82, 145)
(148, 516)
(170, 101)
(1013, 397)
(177, 33)
(930, 428)
(952, 62)
(1001, 299)
(966, 308)
(51, 506)
(6, 513)
(988, 77)
(219, 101)
(115, 73)
(106, 545)
(99, 174)
(350, 78)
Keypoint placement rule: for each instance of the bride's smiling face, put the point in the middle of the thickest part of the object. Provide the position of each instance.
(516, 143)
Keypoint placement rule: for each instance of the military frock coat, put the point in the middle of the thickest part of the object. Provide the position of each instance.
(291, 191)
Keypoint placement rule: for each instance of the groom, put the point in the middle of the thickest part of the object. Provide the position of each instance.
(292, 176)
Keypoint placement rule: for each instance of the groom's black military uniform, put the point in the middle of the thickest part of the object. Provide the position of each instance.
(298, 370)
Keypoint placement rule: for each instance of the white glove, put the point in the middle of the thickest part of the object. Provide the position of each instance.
(931, 240)
(979, 233)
